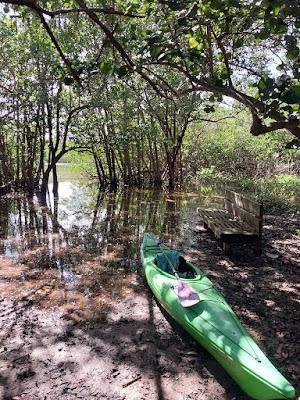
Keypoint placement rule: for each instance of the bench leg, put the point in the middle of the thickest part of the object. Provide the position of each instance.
(258, 247)
(226, 246)
(205, 225)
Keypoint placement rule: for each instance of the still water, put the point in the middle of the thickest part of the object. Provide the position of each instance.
(84, 247)
(96, 222)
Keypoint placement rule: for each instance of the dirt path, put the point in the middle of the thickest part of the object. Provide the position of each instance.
(135, 354)
(58, 349)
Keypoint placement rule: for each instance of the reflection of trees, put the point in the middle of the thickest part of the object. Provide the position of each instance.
(98, 222)
(99, 201)
(153, 211)
(4, 222)
(126, 207)
(25, 226)
(171, 215)
(110, 219)
(55, 215)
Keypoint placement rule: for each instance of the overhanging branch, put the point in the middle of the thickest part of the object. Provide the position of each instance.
(104, 10)
(54, 41)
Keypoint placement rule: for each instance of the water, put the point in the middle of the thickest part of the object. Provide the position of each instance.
(92, 221)
(82, 250)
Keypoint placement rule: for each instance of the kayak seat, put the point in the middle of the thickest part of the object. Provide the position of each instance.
(178, 262)
(163, 261)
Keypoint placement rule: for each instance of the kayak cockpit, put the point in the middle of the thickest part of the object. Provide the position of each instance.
(183, 268)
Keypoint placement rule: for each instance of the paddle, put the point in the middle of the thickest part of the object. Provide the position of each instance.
(186, 294)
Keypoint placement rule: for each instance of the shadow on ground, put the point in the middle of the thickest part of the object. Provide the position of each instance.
(78, 322)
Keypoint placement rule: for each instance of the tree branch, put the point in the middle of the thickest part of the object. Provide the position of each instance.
(258, 128)
(224, 53)
(108, 11)
(104, 10)
(54, 41)
(108, 33)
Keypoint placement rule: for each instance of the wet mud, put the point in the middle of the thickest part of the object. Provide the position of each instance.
(78, 321)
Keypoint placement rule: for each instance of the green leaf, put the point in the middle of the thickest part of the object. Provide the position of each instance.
(274, 25)
(293, 52)
(176, 53)
(262, 35)
(195, 55)
(107, 67)
(239, 43)
(276, 9)
(193, 43)
(155, 51)
(279, 26)
(175, 5)
(292, 48)
(218, 82)
(292, 95)
(181, 21)
(265, 83)
(80, 69)
(209, 109)
(59, 71)
(122, 71)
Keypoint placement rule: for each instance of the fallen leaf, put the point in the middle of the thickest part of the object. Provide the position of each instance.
(191, 354)
(272, 255)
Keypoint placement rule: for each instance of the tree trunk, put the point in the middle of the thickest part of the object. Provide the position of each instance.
(171, 171)
(55, 182)
(44, 188)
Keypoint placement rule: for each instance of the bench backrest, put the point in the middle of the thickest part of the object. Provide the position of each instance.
(247, 211)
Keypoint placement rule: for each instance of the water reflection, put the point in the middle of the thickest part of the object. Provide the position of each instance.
(84, 241)
(86, 229)
(93, 221)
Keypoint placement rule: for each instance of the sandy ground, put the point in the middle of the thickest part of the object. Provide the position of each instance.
(54, 346)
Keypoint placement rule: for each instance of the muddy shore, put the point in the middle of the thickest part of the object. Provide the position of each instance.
(103, 336)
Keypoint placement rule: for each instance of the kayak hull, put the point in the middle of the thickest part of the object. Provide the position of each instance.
(214, 325)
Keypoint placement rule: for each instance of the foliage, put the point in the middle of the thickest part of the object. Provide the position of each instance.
(280, 194)
(124, 84)
(225, 146)
(210, 176)
(246, 50)
(217, 43)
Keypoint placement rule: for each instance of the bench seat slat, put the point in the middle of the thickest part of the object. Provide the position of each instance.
(223, 223)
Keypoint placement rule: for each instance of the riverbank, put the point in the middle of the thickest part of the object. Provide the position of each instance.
(80, 324)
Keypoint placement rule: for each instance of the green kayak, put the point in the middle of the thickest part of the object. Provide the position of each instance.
(212, 323)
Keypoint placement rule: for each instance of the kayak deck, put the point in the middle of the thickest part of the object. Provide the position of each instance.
(214, 325)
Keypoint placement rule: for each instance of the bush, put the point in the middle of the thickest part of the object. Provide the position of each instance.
(229, 147)
(279, 194)
(210, 176)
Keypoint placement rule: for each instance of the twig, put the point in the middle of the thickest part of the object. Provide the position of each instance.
(132, 381)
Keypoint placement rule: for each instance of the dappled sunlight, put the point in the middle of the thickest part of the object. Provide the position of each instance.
(84, 292)
(66, 351)
(78, 307)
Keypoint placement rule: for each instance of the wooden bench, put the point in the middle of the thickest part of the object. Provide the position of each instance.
(240, 220)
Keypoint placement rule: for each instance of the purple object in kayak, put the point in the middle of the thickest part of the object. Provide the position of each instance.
(186, 294)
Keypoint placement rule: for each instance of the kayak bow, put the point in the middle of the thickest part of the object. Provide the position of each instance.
(215, 326)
